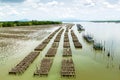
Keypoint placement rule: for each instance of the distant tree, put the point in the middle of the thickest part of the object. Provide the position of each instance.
(27, 23)
(8, 24)
(0, 24)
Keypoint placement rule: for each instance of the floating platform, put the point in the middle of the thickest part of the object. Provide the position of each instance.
(77, 45)
(67, 52)
(69, 26)
(66, 34)
(57, 39)
(40, 47)
(24, 64)
(66, 39)
(46, 40)
(66, 45)
(76, 42)
(51, 35)
(44, 68)
(67, 69)
(74, 36)
(67, 30)
(55, 45)
(51, 52)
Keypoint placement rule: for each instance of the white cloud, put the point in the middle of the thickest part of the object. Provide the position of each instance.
(1, 13)
(114, 6)
(90, 2)
(1, 9)
(9, 10)
(58, 9)
(53, 3)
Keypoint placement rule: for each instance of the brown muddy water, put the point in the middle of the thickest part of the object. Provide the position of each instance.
(17, 42)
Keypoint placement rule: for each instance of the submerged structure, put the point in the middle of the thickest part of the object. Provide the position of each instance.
(88, 38)
(97, 46)
(80, 27)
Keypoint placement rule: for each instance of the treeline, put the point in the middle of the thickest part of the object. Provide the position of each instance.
(109, 21)
(27, 23)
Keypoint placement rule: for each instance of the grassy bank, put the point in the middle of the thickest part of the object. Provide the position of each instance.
(26, 23)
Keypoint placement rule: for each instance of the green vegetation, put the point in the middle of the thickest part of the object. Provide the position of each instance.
(0, 24)
(108, 21)
(27, 23)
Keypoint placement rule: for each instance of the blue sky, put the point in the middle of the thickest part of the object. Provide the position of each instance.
(59, 9)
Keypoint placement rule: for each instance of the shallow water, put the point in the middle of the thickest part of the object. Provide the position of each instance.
(89, 64)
